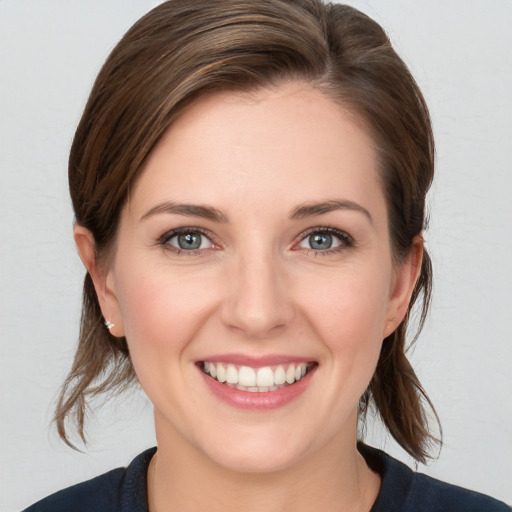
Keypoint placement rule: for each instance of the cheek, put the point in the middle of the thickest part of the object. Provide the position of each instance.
(348, 310)
(161, 310)
(346, 296)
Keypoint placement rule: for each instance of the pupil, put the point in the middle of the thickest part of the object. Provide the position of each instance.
(320, 241)
(189, 241)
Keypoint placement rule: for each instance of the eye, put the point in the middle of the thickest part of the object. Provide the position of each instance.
(187, 240)
(319, 242)
(326, 240)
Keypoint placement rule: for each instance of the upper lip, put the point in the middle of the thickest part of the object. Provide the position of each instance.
(255, 361)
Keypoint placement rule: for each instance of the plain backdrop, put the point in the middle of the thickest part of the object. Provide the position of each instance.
(459, 51)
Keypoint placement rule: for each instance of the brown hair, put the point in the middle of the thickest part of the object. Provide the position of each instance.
(183, 49)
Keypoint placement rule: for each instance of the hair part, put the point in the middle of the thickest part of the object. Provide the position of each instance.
(182, 50)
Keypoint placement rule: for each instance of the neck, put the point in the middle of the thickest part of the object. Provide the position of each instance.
(334, 479)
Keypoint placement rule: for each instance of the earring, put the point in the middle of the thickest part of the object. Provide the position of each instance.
(109, 324)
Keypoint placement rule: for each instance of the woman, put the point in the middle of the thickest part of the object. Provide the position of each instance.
(249, 184)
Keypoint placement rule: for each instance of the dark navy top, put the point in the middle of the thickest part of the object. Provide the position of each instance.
(402, 490)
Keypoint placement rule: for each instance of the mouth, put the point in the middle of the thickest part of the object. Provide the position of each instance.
(266, 379)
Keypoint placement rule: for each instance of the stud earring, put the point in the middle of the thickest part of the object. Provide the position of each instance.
(109, 324)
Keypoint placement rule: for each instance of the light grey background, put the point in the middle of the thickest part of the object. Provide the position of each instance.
(460, 52)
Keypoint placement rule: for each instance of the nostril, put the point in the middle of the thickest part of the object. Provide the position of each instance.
(257, 321)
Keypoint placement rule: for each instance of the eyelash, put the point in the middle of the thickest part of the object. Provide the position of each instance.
(164, 240)
(346, 241)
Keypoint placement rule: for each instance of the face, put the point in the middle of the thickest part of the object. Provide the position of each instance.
(253, 277)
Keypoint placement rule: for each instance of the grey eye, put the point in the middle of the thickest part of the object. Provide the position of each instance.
(190, 241)
(321, 241)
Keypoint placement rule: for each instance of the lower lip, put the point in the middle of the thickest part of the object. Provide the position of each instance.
(258, 401)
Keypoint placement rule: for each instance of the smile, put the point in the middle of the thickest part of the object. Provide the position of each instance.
(264, 379)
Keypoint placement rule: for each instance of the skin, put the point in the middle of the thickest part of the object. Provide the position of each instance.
(257, 287)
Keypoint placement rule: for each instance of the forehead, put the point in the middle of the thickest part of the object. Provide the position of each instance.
(290, 142)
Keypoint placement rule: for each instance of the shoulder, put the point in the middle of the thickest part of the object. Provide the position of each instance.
(119, 490)
(437, 495)
(404, 490)
(97, 494)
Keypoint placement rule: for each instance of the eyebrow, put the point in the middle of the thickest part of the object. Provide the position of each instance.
(299, 212)
(188, 210)
(312, 209)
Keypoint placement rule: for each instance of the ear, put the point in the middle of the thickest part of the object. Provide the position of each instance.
(406, 275)
(101, 277)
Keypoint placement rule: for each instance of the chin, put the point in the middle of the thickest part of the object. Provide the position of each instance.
(259, 452)
(249, 461)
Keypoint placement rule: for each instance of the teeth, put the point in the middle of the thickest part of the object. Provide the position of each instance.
(265, 377)
(279, 376)
(290, 374)
(246, 376)
(221, 373)
(231, 374)
(253, 380)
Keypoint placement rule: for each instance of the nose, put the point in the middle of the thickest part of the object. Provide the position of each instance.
(258, 303)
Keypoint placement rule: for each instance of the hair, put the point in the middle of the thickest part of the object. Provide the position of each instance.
(184, 49)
